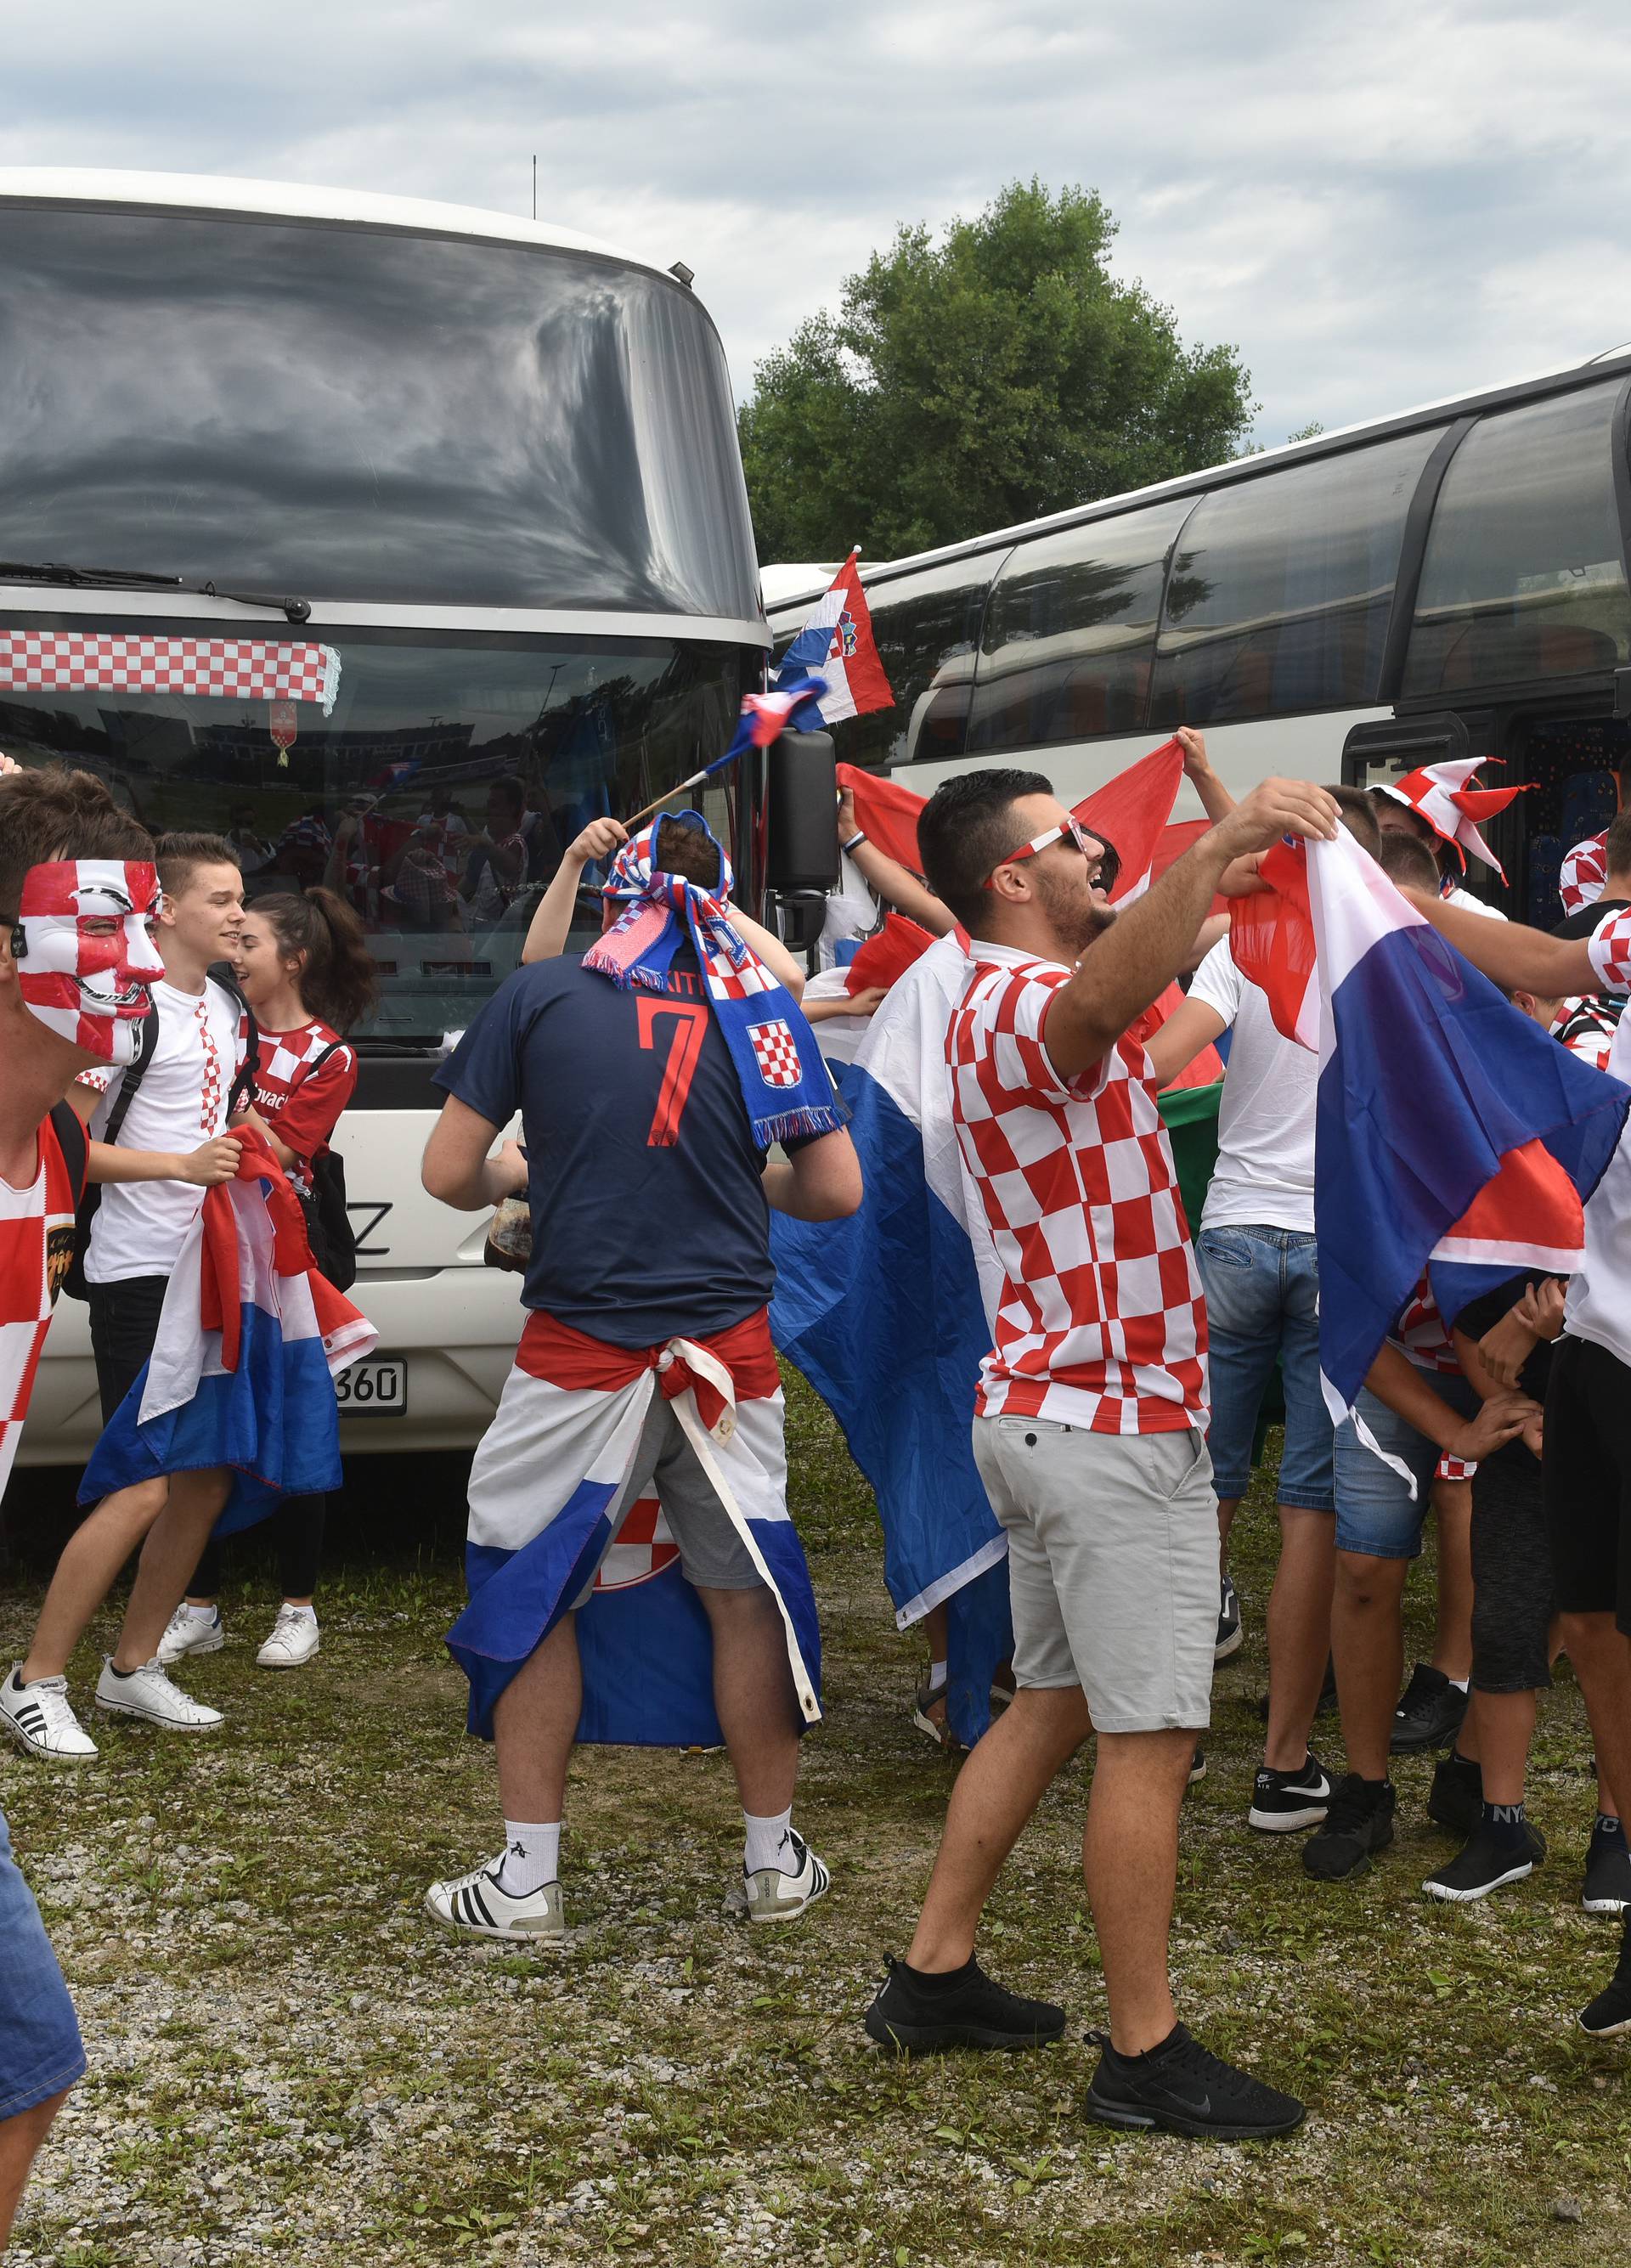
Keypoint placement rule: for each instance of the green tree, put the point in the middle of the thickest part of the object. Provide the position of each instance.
(991, 375)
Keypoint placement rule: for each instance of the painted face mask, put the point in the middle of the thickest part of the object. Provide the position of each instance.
(86, 964)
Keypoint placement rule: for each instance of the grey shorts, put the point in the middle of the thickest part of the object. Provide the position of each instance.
(712, 1554)
(1112, 1566)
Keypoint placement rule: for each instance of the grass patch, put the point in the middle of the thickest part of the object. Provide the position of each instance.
(289, 2061)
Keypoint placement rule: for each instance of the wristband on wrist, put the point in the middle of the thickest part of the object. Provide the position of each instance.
(854, 842)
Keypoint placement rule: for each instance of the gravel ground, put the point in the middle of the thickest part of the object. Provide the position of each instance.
(288, 2060)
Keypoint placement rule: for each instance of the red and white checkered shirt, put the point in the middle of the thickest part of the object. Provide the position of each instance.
(1102, 1324)
(1586, 1025)
(1583, 874)
(36, 1245)
(1423, 1335)
(302, 1104)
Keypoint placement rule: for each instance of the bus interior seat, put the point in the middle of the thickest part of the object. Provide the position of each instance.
(1589, 804)
(1543, 906)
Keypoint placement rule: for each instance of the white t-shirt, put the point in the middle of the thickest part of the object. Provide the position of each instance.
(1469, 904)
(852, 912)
(1598, 1307)
(1265, 1174)
(139, 1226)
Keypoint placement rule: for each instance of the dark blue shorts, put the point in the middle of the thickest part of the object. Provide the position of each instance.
(41, 2052)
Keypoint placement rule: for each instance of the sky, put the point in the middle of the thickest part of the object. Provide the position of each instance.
(1378, 205)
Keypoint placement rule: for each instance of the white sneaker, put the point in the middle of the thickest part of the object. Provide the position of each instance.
(293, 1640)
(187, 1633)
(148, 1693)
(41, 1720)
(476, 1905)
(775, 1894)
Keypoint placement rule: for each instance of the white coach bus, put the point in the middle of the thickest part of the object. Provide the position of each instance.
(487, 466)
(1450, 582)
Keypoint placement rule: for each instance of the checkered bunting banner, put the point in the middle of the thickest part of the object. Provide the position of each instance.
(227, 669)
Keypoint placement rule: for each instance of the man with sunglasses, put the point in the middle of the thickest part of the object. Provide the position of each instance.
(1090, 1424)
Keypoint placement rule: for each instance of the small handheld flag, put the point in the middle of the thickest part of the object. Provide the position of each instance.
(837, 640)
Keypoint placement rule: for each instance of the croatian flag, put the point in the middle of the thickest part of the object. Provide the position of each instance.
(837, 640)
(889, 1314)
(1450, 1131)
(544, 1488)
(250, 1341)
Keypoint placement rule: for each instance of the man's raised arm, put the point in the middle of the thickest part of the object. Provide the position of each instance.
(1135, 959)
(1516, 958)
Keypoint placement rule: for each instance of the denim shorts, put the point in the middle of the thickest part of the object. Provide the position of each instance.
(39, 2047)
(1375, 1514)
(1262, 1302)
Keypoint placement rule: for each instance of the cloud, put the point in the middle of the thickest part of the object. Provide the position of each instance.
(1378, 208)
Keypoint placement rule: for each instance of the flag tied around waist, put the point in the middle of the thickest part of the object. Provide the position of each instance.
(887, 1314)
(250, 1340)
(545, 1491)
(1451, 1133)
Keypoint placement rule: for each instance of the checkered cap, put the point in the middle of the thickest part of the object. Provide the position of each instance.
(1103, 1323)
(1583, 873)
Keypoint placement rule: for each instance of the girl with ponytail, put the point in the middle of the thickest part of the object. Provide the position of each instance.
(306, 971)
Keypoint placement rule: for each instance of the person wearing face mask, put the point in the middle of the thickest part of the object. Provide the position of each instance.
(78, 890)
(170, 1144)
(307, 975)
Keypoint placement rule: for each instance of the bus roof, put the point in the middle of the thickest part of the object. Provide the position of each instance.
(220, 193)
(1323, 444)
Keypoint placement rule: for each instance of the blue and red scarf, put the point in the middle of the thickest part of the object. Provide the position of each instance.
(785, 1085)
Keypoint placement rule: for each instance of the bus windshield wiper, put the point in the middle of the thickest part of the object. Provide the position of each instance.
(136, 579)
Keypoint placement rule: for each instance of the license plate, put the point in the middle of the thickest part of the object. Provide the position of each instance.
(374, 1389)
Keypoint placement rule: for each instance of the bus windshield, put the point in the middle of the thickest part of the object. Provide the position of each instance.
(436, 795)
(364, 414)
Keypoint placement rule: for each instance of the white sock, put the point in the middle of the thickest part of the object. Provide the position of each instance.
(307, 1613)
(201, 1614)
(764, 1839)
(532, 1856)
(937, 1676)
(1461, 1684)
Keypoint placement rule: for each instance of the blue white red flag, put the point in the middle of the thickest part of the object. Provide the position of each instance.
(241, 1374)
(544, 1488)
(837, 640)
(889, 1313)
(1450, 1131)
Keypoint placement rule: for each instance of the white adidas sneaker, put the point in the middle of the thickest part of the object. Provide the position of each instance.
(148, 1693)
(294, 1639)
(782, 1893)
(41, 1720)
(476, 1905)
(187, 1633)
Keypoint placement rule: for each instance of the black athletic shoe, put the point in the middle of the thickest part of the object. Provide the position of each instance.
(1610, 2013)
(1358, 1822)
(1457, 1798)
(966, 2011)
(1607, 1885)
(1488, 1862)
(1230, 1637)
(1430, 1714)
(1186, 2089)
(1282, 1801)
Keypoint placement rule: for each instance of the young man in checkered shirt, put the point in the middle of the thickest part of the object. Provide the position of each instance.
(172, 1145)
(1090, 1424)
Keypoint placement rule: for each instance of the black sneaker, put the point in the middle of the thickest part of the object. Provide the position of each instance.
(1609, 2013)
(1430, 1714)
(1456, 1799)
(1281, 1802)
(1230, 1637)
(966, 2011)
(1489, 1862)
(1607, 1885)
(1186, 2089)
(1358, 1822)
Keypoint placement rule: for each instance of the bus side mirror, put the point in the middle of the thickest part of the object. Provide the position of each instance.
(801, 815)
(801, 918)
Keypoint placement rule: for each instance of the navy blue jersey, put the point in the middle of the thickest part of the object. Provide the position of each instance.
(649, 1217)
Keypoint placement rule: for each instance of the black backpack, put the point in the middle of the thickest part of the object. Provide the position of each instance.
(328, 1229)
(146, 1043)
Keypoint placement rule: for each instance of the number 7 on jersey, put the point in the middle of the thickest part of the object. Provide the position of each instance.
(684, 1050)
